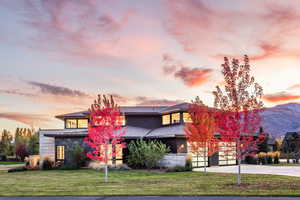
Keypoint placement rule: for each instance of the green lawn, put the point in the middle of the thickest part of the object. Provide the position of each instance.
(90, 182)
(10, 163)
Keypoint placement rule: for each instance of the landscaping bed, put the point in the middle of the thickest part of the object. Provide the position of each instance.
(142, 182)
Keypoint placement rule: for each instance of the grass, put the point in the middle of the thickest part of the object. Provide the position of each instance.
(10, 162)
(135, 182)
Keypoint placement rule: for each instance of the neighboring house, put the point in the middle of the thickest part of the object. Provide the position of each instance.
(291, 141)
(164, 123)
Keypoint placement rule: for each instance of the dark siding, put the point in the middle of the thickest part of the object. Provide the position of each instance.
(145, 121)
(214, 159)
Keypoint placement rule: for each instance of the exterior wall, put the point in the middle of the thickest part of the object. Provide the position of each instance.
(69, 144)
(149, 122)
(176, 145)
(47, 146)
(172, 160)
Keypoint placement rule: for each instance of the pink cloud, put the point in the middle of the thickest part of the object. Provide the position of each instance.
(281, 96)
(26, 118)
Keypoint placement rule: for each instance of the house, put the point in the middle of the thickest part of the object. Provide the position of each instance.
(164, 123)
(291, 141)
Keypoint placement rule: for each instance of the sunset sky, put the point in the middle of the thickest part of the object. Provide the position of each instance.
(57, 55)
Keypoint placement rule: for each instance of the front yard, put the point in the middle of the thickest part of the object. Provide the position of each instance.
(136, 182)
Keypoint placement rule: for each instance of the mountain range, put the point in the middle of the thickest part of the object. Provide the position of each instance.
(282, 118)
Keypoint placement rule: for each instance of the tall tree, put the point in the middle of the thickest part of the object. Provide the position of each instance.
(239, 105)
(6, 145)
(200, 132)
(33, 144)
(105, 131)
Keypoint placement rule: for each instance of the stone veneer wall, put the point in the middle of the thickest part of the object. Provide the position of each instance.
(171, 160)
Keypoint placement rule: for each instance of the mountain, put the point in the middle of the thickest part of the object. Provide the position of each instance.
(281, 118)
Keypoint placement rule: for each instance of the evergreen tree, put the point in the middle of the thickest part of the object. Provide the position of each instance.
(33, 144)
(6, 146)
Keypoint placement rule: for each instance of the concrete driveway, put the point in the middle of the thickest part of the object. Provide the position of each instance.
(259, 169)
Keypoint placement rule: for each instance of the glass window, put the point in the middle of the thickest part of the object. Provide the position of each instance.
(60, 152)
(122, 120)
(187, 118)
(166, 119)
(71, 123)
(175, 118)
(82, 123)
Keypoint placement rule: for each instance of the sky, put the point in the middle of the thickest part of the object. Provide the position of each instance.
(57, 55)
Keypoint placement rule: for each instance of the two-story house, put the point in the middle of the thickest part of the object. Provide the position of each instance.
(164, 123)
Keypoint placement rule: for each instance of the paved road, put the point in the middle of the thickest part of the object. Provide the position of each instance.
(259, 169)
(7, 167)
(151, 198)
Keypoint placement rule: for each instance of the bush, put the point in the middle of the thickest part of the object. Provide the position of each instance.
(68, 167)
(21, 151)
(3, 157)
(270, 156)
(47, 164)
(276, 157)
(262, 158)
(78, 156)
(97, 165)
(251, 159)
(17, 169)
(146, 154)
(188, 164)
(179, 168)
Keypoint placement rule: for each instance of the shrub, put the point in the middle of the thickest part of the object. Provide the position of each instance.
(179, 168)
(97, 165)
(21, 151)
(47, 164)
(276, 157)
(188, 164)
(146, 154)
(270, 157)
(68, 167)
(3, 157)
(262, 158)
(78, 156)
(17, 169)
(251, 159)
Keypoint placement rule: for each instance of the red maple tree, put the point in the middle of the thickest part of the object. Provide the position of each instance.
(200, 132)
(239, 107)
(105, 131)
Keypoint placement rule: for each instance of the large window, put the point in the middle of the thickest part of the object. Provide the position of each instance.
(60, 152)
(166, 119)
(76, 123)
(187, 118)
(175, 118)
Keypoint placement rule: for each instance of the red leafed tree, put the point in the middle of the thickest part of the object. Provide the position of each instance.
(105, 131)
(200, 132)
(239, 108)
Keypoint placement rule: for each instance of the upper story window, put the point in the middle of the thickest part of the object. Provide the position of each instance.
(82, 123)
(76, 123)
(175, 118)
(187, 118)
(166, 119)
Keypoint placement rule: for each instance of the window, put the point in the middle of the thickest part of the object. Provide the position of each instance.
(122, 120)
(71, 123)
(77, 123)
(175, 118)
(187, 118)
(166, 119)
(82, 123)
(60, 152)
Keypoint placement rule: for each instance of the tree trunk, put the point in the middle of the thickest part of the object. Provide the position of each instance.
(239, 172)
(205, 159)
(106, 167)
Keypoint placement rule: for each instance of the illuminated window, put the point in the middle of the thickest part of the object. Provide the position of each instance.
(187, 118)
(60, 152)
(175, 118)
(71, 123)
(227, 153)
(82, 123)
(122, 120)
(166, 119)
